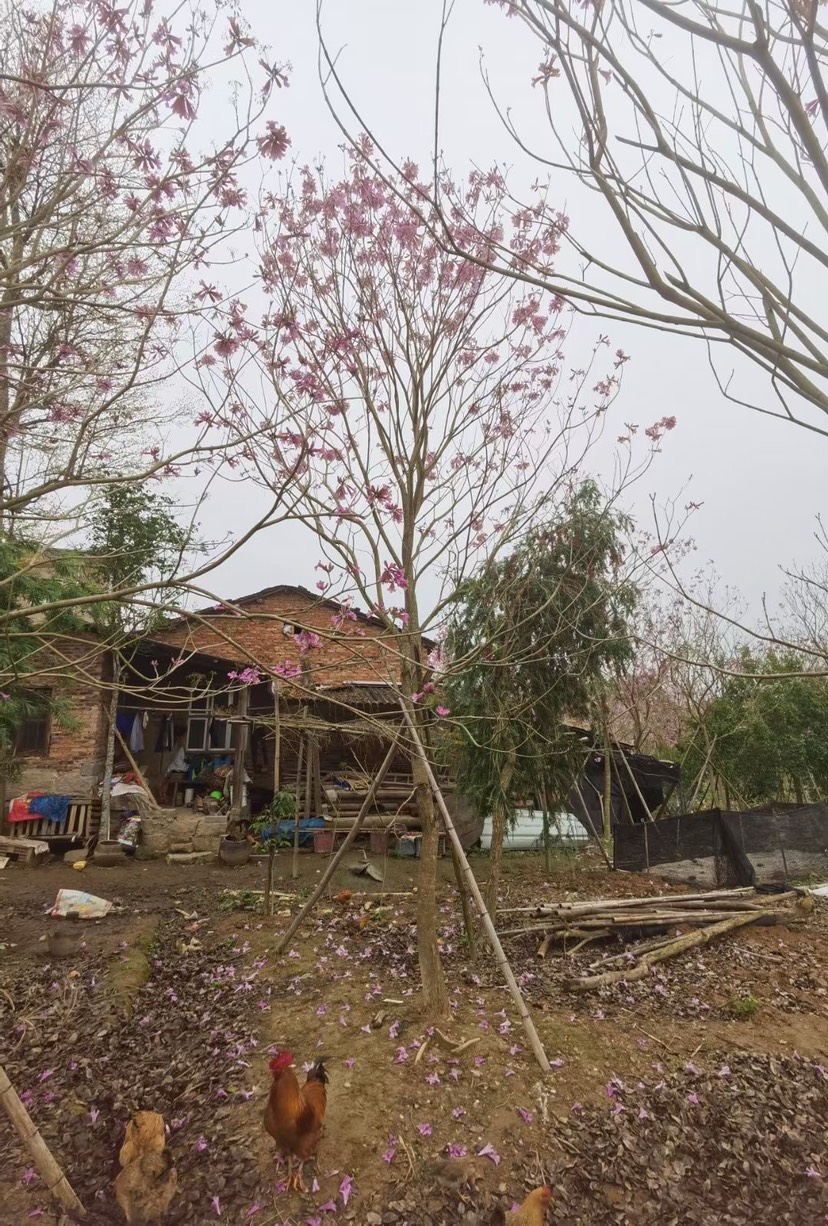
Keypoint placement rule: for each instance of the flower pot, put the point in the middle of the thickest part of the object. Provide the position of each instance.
(109, 853)
(234, 851)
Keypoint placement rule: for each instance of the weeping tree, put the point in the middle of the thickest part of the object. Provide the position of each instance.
(531, 640)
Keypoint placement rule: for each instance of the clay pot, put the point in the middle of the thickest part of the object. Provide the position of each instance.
(234, 851)
(109, 853)
(64, 940)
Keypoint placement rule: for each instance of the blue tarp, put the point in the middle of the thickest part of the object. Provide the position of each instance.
(284, 831)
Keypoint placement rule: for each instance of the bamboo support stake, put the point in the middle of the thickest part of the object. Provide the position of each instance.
(494, 941)
(47, 1168)
(301, 916)
(135, 767)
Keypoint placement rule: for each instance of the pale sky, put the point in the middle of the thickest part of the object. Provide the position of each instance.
(761, 482)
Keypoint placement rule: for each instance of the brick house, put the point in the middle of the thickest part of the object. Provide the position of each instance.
(261, 629)
(179, 691)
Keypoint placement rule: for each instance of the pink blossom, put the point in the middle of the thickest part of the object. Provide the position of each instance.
(456, 1151)
(446, 711)
(216, 1206)
(390, 1152)
(489, 1151)
(275, 143)
(525, 1115)
(345, 1189)
(424, 1130)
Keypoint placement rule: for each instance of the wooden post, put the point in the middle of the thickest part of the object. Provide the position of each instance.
(494, 940)
(277, 738)
(238, 763)
(47, 1168)
(304, 912)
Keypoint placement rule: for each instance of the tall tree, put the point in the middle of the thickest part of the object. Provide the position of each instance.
(135, 543)
(530, 645)
(416, 410)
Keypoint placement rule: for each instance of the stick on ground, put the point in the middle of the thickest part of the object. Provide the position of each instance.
(700, 937)
(46, 1167)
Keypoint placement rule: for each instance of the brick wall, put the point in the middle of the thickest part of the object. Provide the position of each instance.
(360, 651)
(74, 763)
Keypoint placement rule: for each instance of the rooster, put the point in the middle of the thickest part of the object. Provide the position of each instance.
(294, 1114)
(531, 1213)
(146, 1185)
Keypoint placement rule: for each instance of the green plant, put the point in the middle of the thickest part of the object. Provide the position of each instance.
(239, 900)
(743, 1007)
(265, 828)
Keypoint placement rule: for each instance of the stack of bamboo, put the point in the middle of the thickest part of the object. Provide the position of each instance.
(707, 916)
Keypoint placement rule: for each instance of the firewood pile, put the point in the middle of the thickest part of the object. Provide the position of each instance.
(651, 923)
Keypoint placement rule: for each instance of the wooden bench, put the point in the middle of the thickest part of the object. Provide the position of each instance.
(81, 825)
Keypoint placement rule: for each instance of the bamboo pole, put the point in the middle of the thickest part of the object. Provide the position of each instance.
(494, 941)
(638, 791)
(294, 870)
(592, 829)
(650, 900)
(46, 1166)
(304, 912)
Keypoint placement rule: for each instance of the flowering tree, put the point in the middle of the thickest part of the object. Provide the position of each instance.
(113, 201)
(415, 410)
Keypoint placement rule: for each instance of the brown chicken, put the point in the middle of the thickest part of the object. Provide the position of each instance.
(146, 1185)
(294, 1114)
(531, 1213)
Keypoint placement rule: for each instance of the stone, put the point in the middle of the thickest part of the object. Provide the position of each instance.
(76, 856)
(192, 857)
(184, 847)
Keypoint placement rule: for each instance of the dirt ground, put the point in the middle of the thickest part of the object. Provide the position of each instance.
(695, 1096)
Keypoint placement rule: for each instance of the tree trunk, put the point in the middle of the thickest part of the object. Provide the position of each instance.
(607, 805)
(500, 816)
(547, 840)
(109, 760)
(435, 992)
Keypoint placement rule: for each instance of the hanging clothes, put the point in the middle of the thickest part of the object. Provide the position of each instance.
(136, 736)
(166, 735)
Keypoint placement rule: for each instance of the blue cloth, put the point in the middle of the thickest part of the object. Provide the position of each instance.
(284, 831)
(53, 808)
(124, 721)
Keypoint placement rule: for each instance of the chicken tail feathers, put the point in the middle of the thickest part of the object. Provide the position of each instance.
(318, 1072)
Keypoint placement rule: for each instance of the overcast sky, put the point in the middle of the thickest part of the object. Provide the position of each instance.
(761, 482)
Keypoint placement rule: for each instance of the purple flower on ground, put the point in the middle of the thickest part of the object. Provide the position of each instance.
(489, 1151)
(456, 1151)
(525, 1115)
(424, 1130)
